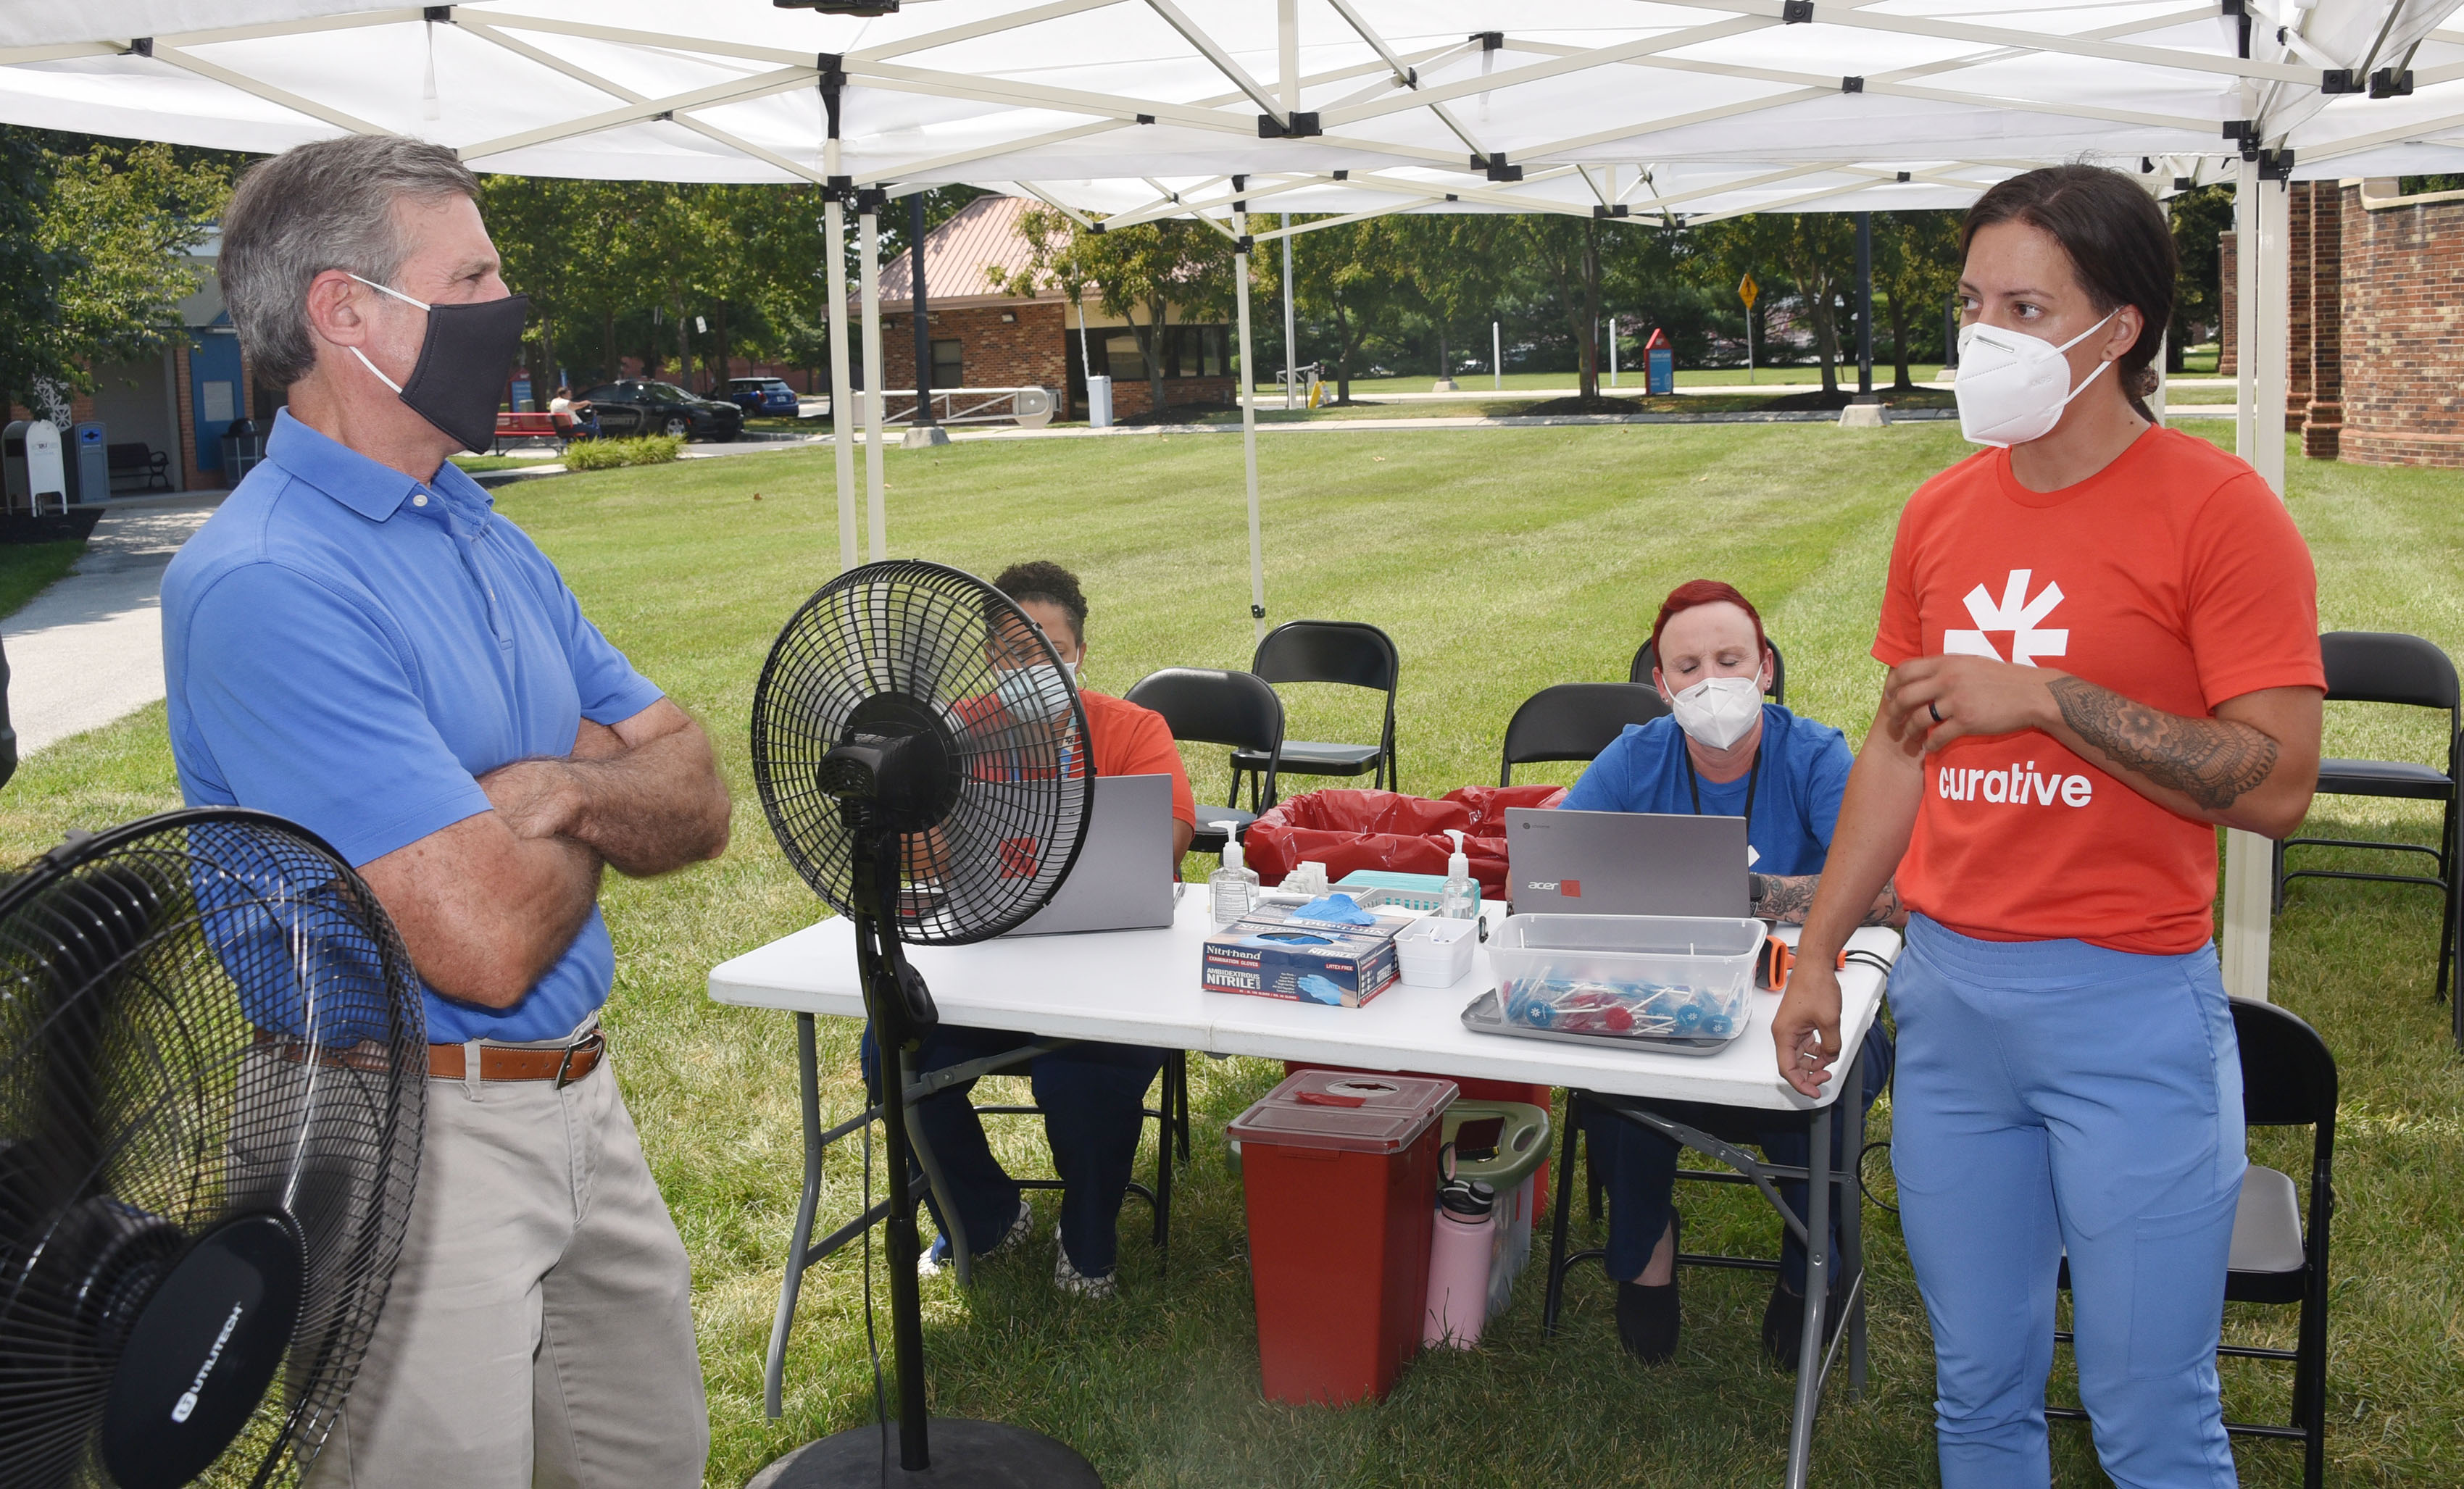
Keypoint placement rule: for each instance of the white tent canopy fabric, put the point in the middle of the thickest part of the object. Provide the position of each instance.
(1141, 108)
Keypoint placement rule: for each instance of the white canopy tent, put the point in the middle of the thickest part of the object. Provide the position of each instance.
(1141, 108)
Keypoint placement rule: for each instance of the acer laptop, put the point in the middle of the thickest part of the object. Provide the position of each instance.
(1625, 863)
(1122, 880)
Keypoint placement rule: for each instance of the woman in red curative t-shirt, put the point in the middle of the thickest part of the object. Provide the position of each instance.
(2102, 638)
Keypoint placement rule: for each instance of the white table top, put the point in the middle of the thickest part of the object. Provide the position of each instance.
(1142, 987)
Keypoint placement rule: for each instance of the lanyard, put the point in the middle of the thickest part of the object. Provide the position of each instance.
(1694, 783)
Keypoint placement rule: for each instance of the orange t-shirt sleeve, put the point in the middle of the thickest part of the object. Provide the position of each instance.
(2254, 595)
(1901, 635)
(1143, 746)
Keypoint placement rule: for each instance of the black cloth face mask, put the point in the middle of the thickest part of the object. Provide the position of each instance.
(468, 352)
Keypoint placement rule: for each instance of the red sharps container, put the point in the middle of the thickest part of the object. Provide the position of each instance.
(1340, 1169)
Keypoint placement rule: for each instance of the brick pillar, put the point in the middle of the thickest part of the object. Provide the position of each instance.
(191, 478)
(2297, 296)
(2228, 364)
(2323, 427)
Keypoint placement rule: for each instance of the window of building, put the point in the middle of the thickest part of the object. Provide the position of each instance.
(949, 365)
(1127, 363)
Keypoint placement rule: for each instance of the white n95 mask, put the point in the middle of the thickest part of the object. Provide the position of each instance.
(2013, 387)
(1718, 711)
(1034, 695)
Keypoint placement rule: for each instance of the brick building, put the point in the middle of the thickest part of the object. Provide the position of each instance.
(984, 337)
(2375, 334)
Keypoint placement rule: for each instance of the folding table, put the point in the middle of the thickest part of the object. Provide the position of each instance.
(1142, 987)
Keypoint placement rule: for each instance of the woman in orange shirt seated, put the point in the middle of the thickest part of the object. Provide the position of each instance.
(1093, 1095)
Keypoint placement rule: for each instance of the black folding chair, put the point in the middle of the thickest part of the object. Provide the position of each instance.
(1350, 652)
(1171, 1119)
(2288, 1079)
(1645, 659)
(2378, 667)
(1205, 706)
(1574, 721)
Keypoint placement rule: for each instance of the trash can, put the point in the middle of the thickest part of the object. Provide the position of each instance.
(1099, 403)
(242, 448)
(91, 457)
(1504, 1144)
(1340, 1176)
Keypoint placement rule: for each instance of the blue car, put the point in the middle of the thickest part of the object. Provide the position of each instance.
(762, 396)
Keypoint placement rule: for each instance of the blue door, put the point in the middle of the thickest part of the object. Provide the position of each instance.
(215, 396)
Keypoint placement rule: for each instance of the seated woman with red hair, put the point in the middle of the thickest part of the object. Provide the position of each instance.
(1724, 751)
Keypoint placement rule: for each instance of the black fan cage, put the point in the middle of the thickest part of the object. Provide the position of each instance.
(906, 647)
(203, 1015)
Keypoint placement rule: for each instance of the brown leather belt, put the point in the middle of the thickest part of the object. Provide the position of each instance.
(564, 1065)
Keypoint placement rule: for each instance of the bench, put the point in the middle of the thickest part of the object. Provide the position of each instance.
(556, 429)
(139, 461)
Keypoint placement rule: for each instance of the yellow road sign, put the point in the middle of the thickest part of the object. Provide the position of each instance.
(1746, 289)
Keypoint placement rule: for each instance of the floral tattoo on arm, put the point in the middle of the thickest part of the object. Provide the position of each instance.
(2214, 762)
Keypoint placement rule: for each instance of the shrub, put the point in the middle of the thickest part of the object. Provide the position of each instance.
(650, 450)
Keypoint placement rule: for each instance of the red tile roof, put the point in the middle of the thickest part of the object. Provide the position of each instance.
(959, 254)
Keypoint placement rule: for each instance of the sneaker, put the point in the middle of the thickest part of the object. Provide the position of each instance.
(1784, 1324)
(937, 1254)
(1070, 1279)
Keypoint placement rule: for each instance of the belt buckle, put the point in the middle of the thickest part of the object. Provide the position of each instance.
(594, 1043)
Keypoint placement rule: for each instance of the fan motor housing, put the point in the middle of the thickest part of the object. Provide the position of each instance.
(203, 1351)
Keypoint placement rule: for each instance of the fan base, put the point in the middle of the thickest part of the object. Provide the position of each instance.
(966, 1455)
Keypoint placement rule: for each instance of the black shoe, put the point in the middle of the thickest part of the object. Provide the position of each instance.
(1646, 1317)
(1784, 1324)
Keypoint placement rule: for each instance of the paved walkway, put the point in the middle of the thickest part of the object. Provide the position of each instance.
(89, 649)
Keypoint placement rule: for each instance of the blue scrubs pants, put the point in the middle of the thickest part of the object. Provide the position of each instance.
(1094, 1098)
(2058, 1097)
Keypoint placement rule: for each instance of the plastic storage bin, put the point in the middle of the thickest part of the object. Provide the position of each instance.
(1339, 1172)
(1435, 953)
(1639, 976)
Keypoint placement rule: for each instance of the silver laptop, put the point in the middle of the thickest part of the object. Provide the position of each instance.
(1625, 863)
(1122, 880)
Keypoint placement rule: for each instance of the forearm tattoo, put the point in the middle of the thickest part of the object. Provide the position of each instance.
(1787, 897)
(2213, 761)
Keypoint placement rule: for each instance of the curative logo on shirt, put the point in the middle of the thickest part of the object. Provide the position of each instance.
(2015, 785)
(2016, 614)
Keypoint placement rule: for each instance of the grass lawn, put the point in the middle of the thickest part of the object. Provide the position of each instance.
(25, 568)
(1501, 562)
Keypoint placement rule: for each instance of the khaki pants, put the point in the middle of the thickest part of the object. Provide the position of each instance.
(539, 1326)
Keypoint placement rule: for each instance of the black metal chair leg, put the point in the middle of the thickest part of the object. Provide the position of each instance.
(1557, 1223)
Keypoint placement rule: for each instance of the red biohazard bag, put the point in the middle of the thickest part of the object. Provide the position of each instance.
(1385, 829)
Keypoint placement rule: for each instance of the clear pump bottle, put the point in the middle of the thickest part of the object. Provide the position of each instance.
(1458, 897)
(1231, 891)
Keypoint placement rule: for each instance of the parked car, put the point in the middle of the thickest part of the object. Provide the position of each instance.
(758, 396)
(639, 406)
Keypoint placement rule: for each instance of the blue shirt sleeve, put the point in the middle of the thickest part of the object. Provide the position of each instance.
(305, 707)
(1607, 783)
(1826, 784)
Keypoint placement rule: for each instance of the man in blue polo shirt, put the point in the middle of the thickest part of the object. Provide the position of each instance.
(357, 643)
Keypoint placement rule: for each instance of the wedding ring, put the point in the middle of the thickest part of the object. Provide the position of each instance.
(1935, 711)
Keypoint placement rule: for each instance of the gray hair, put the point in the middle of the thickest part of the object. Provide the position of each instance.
(323, 205)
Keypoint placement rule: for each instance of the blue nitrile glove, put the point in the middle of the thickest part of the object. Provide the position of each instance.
(1321, 990)
(1339, 909)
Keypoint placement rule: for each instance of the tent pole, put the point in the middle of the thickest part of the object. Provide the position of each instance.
(2260, 261)
(1864, 307)
(869, 268)
(1291, 356)
(1250, 417)
(842, 405)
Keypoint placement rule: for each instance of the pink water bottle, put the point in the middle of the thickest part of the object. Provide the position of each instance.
(1460, 1255)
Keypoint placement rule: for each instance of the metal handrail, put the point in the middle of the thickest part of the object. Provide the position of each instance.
(1029, 407)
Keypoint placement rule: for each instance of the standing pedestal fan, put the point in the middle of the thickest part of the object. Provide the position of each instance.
(920, 749)
(214, 1075)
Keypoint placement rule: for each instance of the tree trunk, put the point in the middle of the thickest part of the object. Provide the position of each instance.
(683, 350)
(1901, 381)
(726, 352)
(1443, 370)
(613, 364)
(1343, 352)
(1153, 343)
(544, 379)
(1590, 389)
(1826, 337)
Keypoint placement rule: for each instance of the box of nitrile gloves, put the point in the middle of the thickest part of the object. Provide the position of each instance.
(1276, 952)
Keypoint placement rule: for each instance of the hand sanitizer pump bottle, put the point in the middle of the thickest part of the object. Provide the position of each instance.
(1231, 891)
(1458, 897)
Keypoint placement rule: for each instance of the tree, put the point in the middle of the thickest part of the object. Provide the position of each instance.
(1152, 267)
(2200, 220)
(1567, 254)
(1350, 278)
(94, 239)
(1451, 260)
(1916, 266)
